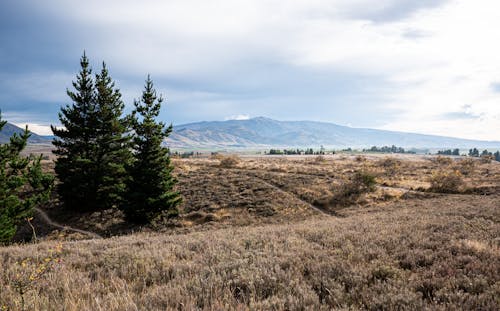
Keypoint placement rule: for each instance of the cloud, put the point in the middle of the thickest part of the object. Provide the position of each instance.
(36, 128)
(495, 87)
(238, 117)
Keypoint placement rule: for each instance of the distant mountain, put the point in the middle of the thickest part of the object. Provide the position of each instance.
(263, 132)
(10, 129)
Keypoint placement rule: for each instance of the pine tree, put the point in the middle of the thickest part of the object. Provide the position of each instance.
(22, 184)
(150, 187)
(113, 143)
(76, 145)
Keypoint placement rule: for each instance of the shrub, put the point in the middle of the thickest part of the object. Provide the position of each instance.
(466, 166)
(442, 160)
(348, 192)
(229, 161)
(390, 165)
(319, 159)
(360, 158)
(447, 182)
(486, 159)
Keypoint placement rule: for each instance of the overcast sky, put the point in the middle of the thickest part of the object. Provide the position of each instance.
(427, 66)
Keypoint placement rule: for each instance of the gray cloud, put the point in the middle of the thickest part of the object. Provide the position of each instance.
(462, 115)
(390, 10)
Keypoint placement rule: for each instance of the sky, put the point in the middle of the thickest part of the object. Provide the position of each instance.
(428, 66)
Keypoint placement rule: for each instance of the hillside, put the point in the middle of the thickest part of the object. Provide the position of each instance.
(9, 129)
(264, 132)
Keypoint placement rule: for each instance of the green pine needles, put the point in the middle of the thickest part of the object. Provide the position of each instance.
(108, 160)
(151, 181)
(22, 184)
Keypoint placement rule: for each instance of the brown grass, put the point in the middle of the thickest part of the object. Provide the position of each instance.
(419, 254)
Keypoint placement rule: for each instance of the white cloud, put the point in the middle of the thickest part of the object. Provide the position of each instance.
(39, 129)
(238, 117)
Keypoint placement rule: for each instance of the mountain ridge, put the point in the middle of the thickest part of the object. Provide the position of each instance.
(9, 129)
(263, 132)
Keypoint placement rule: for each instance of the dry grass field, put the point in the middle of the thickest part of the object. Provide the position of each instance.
(279, 233)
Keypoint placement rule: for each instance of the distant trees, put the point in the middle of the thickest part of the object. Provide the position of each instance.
(308, 151)
(108, 160)
(23, 184)
(485, 154)
(151, 181)
(473, 152)
(454, 152)
(387, 149)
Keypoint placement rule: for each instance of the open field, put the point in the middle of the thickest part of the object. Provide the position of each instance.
(269, 233)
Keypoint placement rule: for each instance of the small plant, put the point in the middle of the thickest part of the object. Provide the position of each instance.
(28, 272)
(447, 182)
(229, 161)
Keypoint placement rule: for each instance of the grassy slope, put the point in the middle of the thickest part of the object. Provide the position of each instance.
(441, 252)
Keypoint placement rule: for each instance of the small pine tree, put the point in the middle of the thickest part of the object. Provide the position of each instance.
(150, 187)
(113, 142)
(22, 184)
(76, 146)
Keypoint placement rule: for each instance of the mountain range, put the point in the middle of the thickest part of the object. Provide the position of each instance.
(263, 132)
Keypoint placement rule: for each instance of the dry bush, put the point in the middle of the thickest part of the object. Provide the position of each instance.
(350, 191)
(486, 159)
(447, 181)
(390, 165)
(442, 160)
(467, 166)
(360, 158)
(229, 161)
(319, 159)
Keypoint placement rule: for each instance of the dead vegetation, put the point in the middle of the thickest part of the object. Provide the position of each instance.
(447, 181)
(437, 253)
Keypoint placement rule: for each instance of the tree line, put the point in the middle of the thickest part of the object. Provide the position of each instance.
(105, 159)
(473, 152)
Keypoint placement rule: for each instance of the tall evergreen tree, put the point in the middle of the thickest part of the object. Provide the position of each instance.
(22, 184)
(76, 146)
(93, 148)
(150, 187)
(113, 142)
